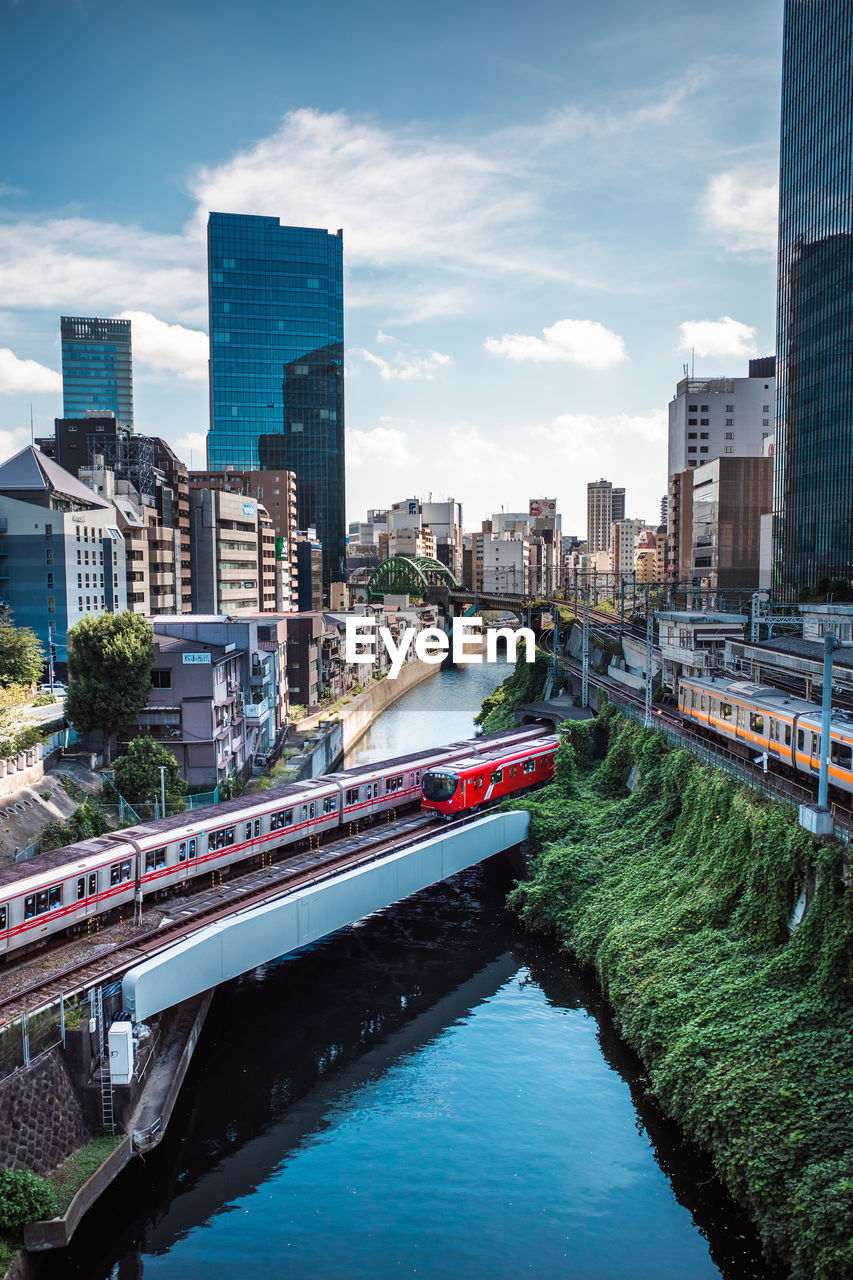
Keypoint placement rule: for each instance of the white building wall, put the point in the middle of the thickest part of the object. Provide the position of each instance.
(709, 418)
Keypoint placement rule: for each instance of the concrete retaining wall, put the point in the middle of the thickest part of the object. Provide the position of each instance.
(357, 716)
(41, 1121)
(55, 1233)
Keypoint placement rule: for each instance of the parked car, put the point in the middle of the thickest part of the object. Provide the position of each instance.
(58, 688)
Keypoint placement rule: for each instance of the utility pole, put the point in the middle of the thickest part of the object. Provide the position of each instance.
(585, 651)
(830, 644)
(622, 600)
(650, 636)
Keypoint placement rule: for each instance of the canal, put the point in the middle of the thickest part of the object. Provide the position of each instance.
(430, 1093)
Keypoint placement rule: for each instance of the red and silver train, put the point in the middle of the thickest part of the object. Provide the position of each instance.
(461, 785)
(767, 719)
(62, 888)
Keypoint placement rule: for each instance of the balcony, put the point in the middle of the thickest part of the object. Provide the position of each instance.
(256, 712)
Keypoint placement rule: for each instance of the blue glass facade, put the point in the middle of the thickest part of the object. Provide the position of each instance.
(97, 368)
(813, 483)
(276, 364)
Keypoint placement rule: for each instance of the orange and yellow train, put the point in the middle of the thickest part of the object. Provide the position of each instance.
(767, 719)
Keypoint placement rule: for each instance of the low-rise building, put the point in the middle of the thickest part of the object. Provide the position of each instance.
(226, 552)
(62, 554)
(197, 709)
(693, 643)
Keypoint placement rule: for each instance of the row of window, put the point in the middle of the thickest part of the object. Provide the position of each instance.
(807, 741)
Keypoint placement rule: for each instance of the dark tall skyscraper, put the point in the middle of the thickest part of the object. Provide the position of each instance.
(276, 364)
(97, 371)
(813, 483)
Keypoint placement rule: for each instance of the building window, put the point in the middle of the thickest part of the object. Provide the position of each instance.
(729, 449)
(765, 408)
(703, 422)
(296, 426)
(764, 435)
(51, 604)
(730, 435)
(730, 408)
(48, 530)
(691, 448)
(729, 422)
(50, 580)
(703, 435)
(691, 422)
(80, 603)
(765, 422)
(691, 408)
(691, 435)
(48, 556)
(704, 409)
(161, 679)
(703, 448)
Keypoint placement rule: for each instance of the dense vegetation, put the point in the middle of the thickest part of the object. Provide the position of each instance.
(526, 684)
(679, 897)
(137, 774)
(22, 657)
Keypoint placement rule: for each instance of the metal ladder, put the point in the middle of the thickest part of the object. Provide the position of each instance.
(107, 1113)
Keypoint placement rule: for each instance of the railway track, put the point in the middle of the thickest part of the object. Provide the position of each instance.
(221, 900)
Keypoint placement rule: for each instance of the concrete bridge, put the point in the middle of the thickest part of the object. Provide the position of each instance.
(256, 935)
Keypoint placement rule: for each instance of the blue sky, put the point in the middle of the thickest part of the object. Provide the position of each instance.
(546, 207)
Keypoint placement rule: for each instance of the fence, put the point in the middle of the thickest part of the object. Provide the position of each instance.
(782, 789)
(130, 815)
(37, 1032)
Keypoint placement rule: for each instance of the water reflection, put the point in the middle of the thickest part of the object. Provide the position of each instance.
(429, 1093)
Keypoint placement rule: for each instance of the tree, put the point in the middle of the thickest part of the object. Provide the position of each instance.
(24, 1197)
(109, 667)
(137, 775)
(22, 657)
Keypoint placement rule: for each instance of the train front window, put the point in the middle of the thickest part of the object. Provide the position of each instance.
(439, 786)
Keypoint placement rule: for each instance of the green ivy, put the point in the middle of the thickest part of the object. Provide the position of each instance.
(679, 897)
(24, 1197)
(526, 684)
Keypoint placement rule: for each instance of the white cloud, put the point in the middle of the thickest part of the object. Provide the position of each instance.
(741, 209)
(405, 366)
(13, 441)
(385, 447)
(167, 347)
(25, 375)
(384, 337)
(192, 448)
(718, 338)
(584, 342)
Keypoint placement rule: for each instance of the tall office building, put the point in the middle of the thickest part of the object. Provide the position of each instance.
(604, 506)
(97, 369)
(276, 364)
(813, 480)
(716, 417)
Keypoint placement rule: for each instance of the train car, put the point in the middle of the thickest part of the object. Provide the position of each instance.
(372, 789)
(463, 785)
(60, 889)
(767, 719)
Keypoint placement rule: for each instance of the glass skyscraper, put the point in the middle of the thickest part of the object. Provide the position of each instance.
(813, 482)
(97, 370)
(276, 364)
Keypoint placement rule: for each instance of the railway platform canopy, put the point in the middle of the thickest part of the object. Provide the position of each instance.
(791, 657)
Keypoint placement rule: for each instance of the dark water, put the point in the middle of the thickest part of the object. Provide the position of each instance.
(429, 1093)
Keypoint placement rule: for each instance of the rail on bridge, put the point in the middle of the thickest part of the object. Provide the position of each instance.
(262, 933)
(409, 576)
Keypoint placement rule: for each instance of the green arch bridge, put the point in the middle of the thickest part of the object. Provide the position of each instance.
(409, 576)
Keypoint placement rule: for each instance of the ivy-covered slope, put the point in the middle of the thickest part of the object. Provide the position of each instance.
(679, 897)
(526, 684)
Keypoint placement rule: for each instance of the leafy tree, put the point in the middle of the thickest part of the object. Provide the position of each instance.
(22, 657)
(137, 775)
(109, 666)
(24, 1197)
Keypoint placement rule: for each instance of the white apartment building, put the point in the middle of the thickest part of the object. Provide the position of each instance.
(624, 546)
(506, 564)
(712, 417)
